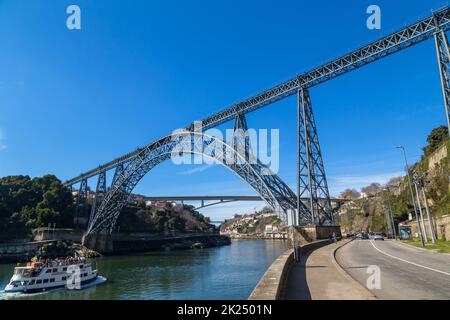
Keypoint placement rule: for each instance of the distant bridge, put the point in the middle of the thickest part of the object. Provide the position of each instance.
(217, 200)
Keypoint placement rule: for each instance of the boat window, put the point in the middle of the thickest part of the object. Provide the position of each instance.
(45, 281)
(52, 280)
(55, 270)
(65, 269)
(32, 282)
(63, 278)
(38, 281)
(48, 271)
(19, 272)
(81, 266)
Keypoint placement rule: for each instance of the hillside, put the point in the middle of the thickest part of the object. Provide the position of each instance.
(258, 225)
(27, 204)
(368, 213)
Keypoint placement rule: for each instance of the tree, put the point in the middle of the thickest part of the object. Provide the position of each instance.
(435, 139)
(27, 203)
(350, 194)
(372, 189)
(394, 182)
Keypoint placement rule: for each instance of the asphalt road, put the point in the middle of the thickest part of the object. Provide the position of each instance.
(406, 272)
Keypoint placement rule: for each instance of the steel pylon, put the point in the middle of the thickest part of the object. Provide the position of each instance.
(443, 56)
(311, 179)
(100, 192)
(241, 139)
(81, 197)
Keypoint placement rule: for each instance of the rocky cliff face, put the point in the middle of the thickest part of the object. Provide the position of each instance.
(366, 214)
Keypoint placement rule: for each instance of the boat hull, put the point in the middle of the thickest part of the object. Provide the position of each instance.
(48, 288)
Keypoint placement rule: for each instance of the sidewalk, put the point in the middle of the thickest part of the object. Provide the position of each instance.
(319, 277)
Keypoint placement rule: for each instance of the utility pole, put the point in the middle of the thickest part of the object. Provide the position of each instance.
(412, 195)
(416, 182)
(427, 208)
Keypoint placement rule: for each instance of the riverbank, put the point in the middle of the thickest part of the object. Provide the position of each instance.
(274, 236)
(23, 252)
(123, 244)
(128, 244)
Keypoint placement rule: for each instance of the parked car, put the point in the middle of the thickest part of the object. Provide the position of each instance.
(364, 236)
(378, 236)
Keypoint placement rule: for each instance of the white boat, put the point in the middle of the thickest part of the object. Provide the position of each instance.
(37, 276)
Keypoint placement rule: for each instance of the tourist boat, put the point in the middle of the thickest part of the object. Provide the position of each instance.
(40, 275)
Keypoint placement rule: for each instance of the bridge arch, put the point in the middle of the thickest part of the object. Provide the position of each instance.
(264, 182)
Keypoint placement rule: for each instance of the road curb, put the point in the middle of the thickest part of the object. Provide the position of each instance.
(345, 274)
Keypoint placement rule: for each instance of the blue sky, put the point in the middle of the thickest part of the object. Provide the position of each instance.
(137, 70)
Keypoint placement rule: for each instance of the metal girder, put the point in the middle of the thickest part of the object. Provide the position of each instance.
(100, 192)
(81, 197)
(406, 37)
(268, 186)
(393, 43)
(312, 182)
(241, 139)
(443, 57)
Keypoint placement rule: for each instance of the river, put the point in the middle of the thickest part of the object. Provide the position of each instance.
(228, 272)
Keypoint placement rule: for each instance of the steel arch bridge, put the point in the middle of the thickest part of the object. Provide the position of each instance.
(310, 173)
(264, 182)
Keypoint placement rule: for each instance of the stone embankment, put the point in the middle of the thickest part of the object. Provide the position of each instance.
(127, 245)
(21, 252)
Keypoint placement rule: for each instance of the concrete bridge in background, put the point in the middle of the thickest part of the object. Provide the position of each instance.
(336, 203)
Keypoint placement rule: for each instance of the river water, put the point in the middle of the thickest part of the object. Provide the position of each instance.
(228, 272)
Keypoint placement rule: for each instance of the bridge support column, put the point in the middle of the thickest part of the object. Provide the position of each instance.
(102, 243)
(99, 193)
(443, 56)
(311, 179)
(241, 139)
(81, 200)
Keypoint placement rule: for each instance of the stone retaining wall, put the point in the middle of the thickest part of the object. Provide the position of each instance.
(271, 285)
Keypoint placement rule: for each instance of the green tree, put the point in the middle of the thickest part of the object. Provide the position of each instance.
(435, 139)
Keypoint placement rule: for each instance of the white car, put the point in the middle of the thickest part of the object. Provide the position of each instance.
(378, 236)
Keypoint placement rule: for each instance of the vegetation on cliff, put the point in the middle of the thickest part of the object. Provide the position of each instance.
(27, 203)
(142, 218)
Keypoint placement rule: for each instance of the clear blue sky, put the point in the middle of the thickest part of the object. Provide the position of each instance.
(71, 100)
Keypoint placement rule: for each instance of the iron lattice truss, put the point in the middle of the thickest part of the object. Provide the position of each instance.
(443, 55)
(407, 37)
(312, 182)
(266, 184)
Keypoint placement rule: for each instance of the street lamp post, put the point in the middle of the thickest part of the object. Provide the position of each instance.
(412, 195)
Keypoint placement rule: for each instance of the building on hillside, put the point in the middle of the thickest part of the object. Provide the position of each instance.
(271, 228)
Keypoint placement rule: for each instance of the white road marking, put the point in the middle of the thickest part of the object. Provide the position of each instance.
(415, 264)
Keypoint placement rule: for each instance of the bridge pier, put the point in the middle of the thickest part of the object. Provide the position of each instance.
(300, 235)
(102, 243)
